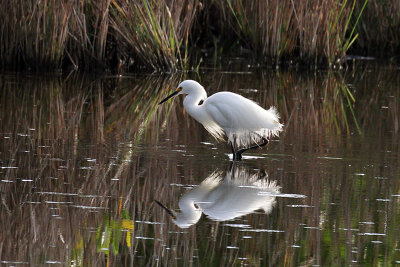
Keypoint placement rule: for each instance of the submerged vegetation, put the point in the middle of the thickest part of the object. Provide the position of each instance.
(170, 35)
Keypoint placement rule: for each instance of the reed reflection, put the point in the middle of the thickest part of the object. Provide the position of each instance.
(82, 160)
(221, 198)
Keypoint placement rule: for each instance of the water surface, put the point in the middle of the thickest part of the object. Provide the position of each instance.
(83, 159)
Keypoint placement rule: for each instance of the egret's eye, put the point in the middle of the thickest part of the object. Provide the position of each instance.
(179, 89)
(201, 102)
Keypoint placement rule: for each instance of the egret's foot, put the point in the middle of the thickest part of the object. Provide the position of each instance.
(237, 155)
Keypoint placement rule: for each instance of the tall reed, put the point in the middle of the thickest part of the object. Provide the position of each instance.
(265, 26)
(154, 33)
(33, 32)
(89, 35)
(313, 31)
(161, 35)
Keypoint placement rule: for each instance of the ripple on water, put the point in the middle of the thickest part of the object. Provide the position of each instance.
(263, 193)
(299, 206)
(57, 193)
(89, 207)
(368, 223)
(246, 157)
(149, 222)
(53, 262)
(262, 230)
(335, 158)
(147, 238)
(238, 225)
(372, 234)
(14, 262)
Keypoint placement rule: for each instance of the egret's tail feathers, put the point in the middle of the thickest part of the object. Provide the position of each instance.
(274, 112)
(215, 130)
(246, 138)
(212, 180)
(242, 178)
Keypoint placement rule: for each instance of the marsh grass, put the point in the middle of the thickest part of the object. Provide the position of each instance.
(88, 42)
(156, 32)
(33, 33)
(168, 35)
(264, 26)
(314, 32)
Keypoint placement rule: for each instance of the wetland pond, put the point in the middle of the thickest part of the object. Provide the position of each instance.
(83, 159)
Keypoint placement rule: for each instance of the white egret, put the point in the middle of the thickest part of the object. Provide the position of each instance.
(244, 122)
(239, 194)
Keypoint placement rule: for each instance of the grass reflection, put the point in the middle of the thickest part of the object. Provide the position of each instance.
(82, 160)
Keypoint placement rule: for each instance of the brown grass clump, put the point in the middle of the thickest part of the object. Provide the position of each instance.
(312, 31)
(154, 32)
(33, 32)
(170, 35)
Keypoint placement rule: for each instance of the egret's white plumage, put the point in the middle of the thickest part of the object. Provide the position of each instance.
(240, 119)
(239, 194)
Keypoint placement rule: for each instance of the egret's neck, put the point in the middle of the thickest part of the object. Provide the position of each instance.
(191, 104)
(189, 214)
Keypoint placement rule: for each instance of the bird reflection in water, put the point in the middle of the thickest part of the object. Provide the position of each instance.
(221, 199)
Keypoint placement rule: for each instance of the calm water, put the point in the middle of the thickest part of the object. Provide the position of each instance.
(82, 161)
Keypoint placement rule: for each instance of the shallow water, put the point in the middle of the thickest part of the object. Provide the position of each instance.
(83, 159)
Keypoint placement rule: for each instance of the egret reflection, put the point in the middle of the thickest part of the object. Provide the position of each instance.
(221, 198)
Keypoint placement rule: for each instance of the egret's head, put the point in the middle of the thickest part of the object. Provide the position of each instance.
(186, 87)
(183, 219)
(190, 87)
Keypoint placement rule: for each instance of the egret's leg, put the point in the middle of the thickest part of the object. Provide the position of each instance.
(240, 151)
(237, 156)
(234, 155)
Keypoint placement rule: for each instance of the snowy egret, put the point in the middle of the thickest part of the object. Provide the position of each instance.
(239, 194)
(244, 122)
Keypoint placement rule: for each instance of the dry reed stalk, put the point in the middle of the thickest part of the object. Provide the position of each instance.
(314, 31)
(34, 33)
(156, 35)
(266, 27)
(87, 46)
(153, 33)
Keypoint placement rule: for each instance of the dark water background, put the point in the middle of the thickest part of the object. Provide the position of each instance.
(82, 160)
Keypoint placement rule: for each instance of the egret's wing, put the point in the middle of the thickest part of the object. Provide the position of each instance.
(228, 200)
(244, 121)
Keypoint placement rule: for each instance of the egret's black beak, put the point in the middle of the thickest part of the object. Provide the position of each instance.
(170, 212)
(171, 95)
